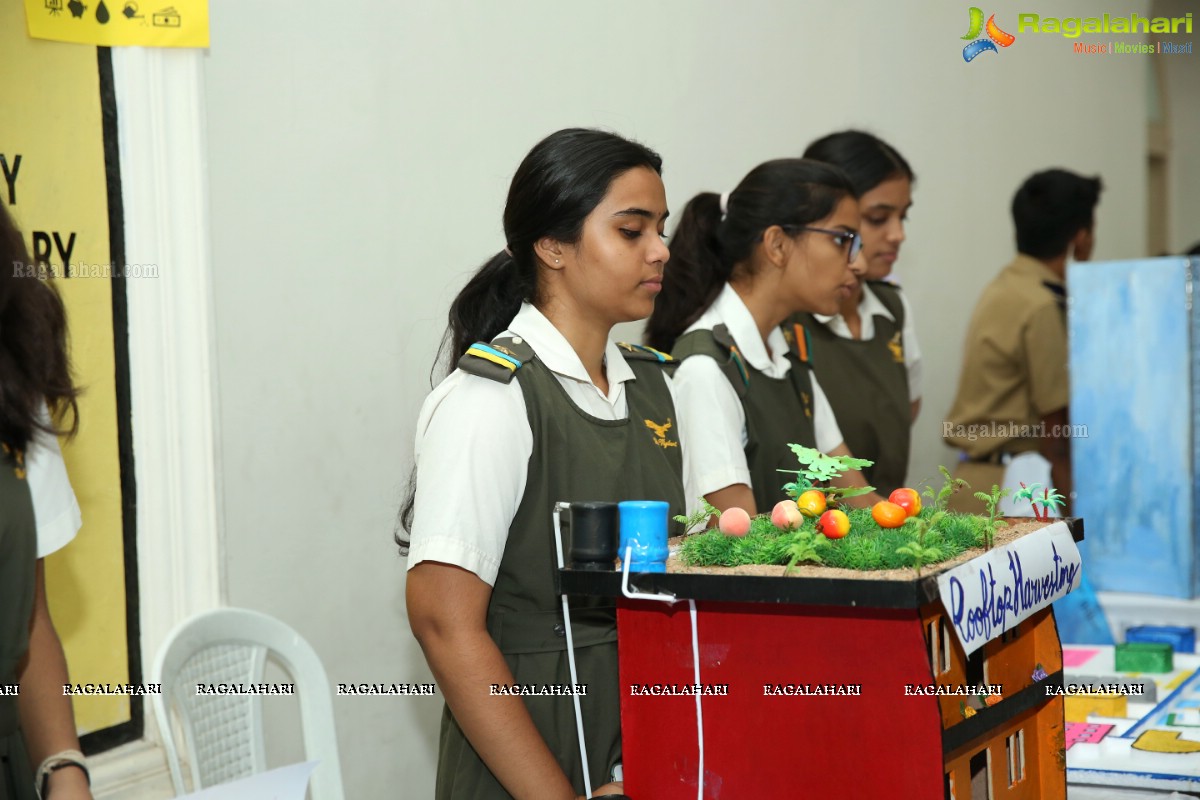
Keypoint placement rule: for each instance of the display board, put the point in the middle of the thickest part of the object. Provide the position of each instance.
(61, 184)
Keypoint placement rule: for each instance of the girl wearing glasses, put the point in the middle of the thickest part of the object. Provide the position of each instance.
(779, 243)
(866, 353)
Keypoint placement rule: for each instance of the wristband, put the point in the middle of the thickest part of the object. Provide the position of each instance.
(61, 760)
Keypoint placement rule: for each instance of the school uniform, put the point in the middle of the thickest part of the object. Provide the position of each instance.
(872, 381)
(38, 515)
(18, 551)
(1014, 373)
(516, 428)
(742, 402)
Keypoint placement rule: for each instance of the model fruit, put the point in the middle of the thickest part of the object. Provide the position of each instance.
(786, 515)
(888, 515)
(908, 499)
(734, 522)
(811, 503)
(834, 524)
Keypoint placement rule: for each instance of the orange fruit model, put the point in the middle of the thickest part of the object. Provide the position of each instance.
(888, 515)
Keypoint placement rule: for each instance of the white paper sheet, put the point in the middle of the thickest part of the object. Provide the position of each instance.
(284, 783)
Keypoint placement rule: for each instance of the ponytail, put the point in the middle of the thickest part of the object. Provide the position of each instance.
(489, 301)
(712, 243)
(480, 312)
(695, 274)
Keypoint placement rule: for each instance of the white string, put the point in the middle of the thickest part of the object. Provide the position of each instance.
(587, 775)
(669, 597)
(724, 205)
(699, 710)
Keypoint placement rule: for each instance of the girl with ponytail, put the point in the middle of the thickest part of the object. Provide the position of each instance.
(541, 408)
(867, 353)
(779, 243)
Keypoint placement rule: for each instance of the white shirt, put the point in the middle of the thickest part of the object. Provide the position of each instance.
(712, 420)
(473, 445)
(55, 508)
(868, 307)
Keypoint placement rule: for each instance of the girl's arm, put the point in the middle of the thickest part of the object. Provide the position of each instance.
(447, 609)
(737, 496)
(46, 715)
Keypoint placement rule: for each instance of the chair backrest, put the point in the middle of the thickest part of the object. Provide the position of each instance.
(223, 732)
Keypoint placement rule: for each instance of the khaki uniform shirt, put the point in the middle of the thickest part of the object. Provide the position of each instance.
(1014, 363)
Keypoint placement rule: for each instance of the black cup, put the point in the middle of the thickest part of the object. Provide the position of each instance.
(594, 536)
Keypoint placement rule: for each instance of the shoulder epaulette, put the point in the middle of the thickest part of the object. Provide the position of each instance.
(735, 368)
(798, 341)
(644, 353)
(498, 360)
(1059, 291)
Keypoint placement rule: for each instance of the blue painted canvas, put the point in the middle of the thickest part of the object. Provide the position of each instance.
(1134, 384)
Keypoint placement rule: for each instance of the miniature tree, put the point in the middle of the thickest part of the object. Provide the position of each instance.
(916, 549)
(804, 545)
(1050, 500)
(992, 501)
(816, 467)
(1041, 499)
(950, 487)
(698, 519)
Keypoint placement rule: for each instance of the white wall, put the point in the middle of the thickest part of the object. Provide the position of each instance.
(359, 158)
(1182, 89)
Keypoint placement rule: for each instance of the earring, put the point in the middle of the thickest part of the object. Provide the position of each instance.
(556, 261)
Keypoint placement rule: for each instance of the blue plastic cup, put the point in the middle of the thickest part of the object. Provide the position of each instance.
(644, 528)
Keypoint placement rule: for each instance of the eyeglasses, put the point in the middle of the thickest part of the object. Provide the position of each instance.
(839, 238)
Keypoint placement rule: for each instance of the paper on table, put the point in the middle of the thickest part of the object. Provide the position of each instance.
(285, 783)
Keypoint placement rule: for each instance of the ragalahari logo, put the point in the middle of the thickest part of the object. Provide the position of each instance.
(995, 36)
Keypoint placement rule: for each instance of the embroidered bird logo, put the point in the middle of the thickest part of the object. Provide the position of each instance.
(896, 348)
(18, 459)
(660, 432)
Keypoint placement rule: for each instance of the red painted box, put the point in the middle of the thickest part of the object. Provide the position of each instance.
(827, 688)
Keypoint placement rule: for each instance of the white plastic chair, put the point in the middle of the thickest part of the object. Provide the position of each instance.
(223, 733)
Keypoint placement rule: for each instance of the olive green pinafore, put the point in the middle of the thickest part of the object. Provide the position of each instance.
(779, 411)
(866, 383)
(18, 555)
(576, 457)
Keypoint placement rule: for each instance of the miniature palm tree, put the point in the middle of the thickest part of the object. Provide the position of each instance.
(1041, 499)
(1050, 501)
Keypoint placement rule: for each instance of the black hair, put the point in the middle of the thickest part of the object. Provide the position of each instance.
(865, 158)
(34, 366)
(707, 245)
(558, 184)
(1050, 208)
(1194, 250)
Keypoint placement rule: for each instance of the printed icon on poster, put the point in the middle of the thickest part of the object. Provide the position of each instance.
(166, 18)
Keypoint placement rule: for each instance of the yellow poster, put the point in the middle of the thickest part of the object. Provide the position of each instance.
(116, 23)
(54, 182)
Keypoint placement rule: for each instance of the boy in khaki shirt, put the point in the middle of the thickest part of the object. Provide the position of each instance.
(1013, 391)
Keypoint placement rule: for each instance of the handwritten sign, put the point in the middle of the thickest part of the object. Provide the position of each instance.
(990, 594)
